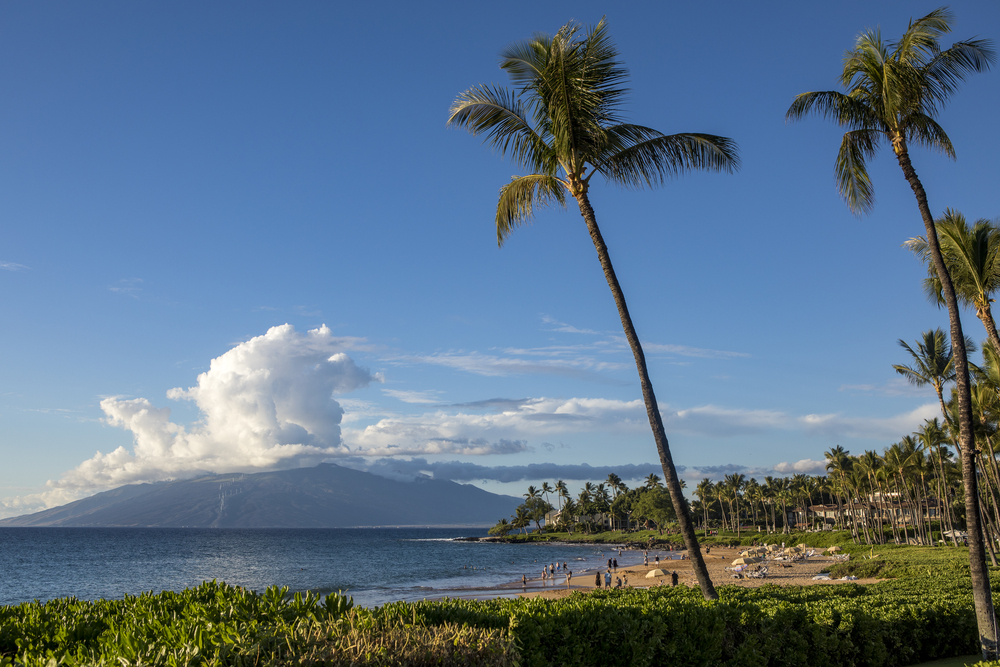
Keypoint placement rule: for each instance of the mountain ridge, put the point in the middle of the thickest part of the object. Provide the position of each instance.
(325, 496)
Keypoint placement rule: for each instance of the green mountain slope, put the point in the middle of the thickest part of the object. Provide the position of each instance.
(327, 496)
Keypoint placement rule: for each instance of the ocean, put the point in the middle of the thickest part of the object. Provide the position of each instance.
(373, 565)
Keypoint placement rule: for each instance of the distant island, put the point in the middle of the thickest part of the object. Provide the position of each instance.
(326, 496)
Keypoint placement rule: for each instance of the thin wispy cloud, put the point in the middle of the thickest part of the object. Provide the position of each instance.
(499, 366)
(505, 420)
(687, 351)
(425, 397)
(128, 287)
(13, 266)
(562, 327)
(891, 387)
(882, 428)
(726, 422)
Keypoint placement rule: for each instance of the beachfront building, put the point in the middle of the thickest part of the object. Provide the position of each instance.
(890, 507)
(601, 520)
(887, 507)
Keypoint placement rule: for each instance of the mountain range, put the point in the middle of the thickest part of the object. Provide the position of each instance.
(326, 496)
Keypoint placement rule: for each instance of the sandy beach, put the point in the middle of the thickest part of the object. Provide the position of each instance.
(781, 573)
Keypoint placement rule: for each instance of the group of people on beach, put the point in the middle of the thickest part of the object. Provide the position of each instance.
(619, 582)
(550, 573)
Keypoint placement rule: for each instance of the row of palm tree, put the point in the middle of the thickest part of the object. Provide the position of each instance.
(562, 124)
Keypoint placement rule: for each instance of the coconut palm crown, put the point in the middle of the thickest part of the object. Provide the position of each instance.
(894, 91)
(561, 122)
(972, 255)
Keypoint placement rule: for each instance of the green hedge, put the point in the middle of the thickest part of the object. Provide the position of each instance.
(889, 624)
(898, 622)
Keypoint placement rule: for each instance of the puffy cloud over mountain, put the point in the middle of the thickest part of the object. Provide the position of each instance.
(267, 403)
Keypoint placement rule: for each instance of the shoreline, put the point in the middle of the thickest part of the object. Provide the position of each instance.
(633, 575)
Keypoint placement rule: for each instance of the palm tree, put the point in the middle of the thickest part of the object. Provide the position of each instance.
(562, 124)
(546, 490)
(562, 492)
(895, 89)
(569, 512)
(704, 493)
(615, 482)
(532, 493)
(653, 481)
(734, 487)
(933, 363)
(931, 437)
(972, 256)
(838, 461)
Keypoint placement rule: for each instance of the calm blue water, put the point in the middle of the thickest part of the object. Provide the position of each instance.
(375, 566)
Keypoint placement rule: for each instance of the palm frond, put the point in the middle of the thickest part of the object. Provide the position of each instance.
(923, 130)
(867, 58)
(853, 182)
(519, 199)
(845, 110)
(640, 156)
(920, 42)
(948, 68)
(577, 85)
(499, 114)
(972, 256)
(524, 61)
(602, 71)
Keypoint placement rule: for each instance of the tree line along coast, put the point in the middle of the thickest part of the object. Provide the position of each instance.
(561, 122)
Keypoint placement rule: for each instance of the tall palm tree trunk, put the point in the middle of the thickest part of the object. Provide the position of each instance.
(985, 315)
(982, 596)
(943, 484)
(652, 410)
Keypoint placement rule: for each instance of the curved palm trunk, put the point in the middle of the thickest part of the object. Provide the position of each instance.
(652, 410)
(981, 594)
(985, 315)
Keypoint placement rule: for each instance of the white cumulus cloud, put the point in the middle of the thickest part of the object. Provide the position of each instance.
(267, 403)
(804, 467)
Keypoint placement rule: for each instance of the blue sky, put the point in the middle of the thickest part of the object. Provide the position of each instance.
(176, 179)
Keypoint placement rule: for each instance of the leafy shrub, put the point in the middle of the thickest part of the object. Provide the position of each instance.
(361, 638)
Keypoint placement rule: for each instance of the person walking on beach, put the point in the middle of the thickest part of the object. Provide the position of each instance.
(524, 580)
(645, 559)
(673, 578)
(607, 579)
(569, 575)
(614, 562)
(597, 580)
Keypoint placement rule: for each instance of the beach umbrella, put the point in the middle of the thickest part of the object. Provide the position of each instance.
(803, 546)
(746, 561)
(655, 573)
(834, 549)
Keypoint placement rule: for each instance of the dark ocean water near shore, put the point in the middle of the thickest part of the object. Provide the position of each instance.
(374, 565)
